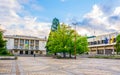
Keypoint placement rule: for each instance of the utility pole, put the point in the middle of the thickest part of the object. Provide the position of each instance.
(75, 40)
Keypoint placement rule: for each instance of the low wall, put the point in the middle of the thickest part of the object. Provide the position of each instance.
(8, 57)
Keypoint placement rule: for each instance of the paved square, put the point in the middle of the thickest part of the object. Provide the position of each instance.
(50, 66)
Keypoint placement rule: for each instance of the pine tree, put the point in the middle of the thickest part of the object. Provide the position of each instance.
(55, 24)
(3, 50)
(54, 27)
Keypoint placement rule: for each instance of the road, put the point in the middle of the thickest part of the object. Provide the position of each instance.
(50, 66)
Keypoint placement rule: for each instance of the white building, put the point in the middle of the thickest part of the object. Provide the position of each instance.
(25, 45)
(103, 44)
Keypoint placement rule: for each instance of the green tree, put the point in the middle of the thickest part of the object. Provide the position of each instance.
(62, 41)
(117, 46)
(82, 45)
(3, 50)
(58, 42)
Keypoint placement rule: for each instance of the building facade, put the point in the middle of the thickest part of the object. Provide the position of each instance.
(25, 45)
(102, 44)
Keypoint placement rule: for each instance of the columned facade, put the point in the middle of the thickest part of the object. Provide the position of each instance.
(26, 45)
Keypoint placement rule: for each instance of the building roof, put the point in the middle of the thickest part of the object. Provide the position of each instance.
(91, 37)
(24, 37)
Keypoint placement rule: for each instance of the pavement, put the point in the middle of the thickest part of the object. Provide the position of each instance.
(50, 66)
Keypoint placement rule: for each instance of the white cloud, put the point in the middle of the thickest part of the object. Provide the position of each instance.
(117, 11)
(95, 13)
(14, 24)
(96, 22)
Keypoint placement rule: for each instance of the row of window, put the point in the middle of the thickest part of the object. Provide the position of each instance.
(107, 51)
(26, 41)
(31, 47)
(102, 41)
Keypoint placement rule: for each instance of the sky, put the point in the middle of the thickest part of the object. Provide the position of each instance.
(34, 17)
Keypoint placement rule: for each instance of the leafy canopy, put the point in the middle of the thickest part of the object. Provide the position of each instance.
(117, 46)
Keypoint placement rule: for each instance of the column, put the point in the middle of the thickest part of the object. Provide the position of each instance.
(23, 52)
(89, 51)
(29, 44)
(34, 52)
(24, 44)
(18, 52)
(34, 45)
(113, 52)
(19, 43)
(104, 50)
(29, 52)
(96, 50)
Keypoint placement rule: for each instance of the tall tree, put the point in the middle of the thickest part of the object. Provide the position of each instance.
(62, 41)
(3, 50)
(117, 46)
(58, 42)
(54, 27)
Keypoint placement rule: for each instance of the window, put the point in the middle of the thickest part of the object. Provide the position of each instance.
(16, 40)
(21, 47)
(15, 47)
(21, 41)
(26, 41)
(37, 42)
(31, 47)
(37, 47)
(32, 42)
(98, 42)
(26, 44)
(92, 43)
(100, 52)
(102, 41)
(95, 42)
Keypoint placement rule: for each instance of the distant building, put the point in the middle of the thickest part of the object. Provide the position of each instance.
(25, 45)
(102, 44)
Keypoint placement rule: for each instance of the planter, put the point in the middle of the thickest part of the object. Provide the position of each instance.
(8, 57)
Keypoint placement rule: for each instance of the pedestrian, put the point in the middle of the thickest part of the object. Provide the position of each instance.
(34, 55)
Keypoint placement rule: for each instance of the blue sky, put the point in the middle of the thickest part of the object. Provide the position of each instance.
(34, 17)
(60, 8)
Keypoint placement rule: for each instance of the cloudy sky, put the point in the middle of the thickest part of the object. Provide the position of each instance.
(34, 17)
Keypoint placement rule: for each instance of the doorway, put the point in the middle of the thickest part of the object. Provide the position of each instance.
(21, 52)
(26, 52)
(31, 52)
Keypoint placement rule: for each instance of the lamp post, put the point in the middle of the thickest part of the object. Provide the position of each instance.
(75, 40)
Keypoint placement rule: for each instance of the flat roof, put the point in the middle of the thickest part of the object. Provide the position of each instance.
(24, 37)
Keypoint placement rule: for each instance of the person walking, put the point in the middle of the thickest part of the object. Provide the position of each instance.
(34, 55)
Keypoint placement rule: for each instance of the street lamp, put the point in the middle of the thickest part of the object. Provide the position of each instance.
(75, 40)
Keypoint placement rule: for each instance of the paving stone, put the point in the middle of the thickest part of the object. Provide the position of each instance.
(49, 66)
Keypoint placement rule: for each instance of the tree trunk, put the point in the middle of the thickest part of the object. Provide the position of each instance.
(70, 53)
(55, 54)
(64, 54)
